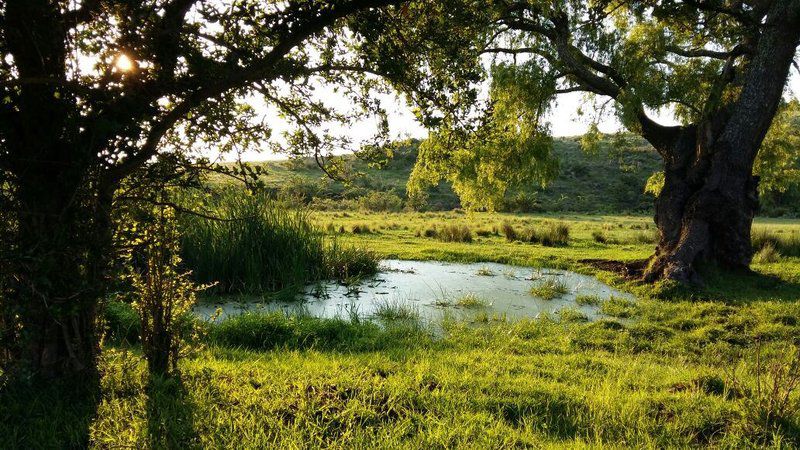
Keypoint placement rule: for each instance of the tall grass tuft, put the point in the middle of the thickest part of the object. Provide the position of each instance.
(261, 246)
(454, 233)
(549, 234)
(786, 244)
(767, 254)
(549, 289)
(509, 231)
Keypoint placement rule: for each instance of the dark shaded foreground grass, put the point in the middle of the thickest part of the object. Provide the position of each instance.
(674, 374)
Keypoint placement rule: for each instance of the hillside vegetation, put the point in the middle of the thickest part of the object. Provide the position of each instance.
(610, 180)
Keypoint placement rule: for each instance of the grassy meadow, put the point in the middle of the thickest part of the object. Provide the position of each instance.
(716, 367)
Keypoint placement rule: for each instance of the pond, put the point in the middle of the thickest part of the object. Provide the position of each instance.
(435, 290)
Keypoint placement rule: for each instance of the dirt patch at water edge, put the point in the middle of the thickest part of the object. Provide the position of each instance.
(630, 270)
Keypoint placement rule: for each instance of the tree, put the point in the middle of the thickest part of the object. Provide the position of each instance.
(720, 66)
(100, 97)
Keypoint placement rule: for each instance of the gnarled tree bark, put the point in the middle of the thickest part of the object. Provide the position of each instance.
(710, 196)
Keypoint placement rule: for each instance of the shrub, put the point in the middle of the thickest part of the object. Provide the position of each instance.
(162, 293)
(454, 233)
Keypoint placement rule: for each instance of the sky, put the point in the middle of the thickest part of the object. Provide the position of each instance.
(564, 119)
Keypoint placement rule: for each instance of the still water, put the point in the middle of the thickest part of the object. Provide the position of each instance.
(433, 289)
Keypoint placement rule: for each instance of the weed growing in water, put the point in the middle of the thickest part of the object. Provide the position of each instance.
(471, 301)
(485, 272)
(549, 289)
(591, 300)
(392, 310)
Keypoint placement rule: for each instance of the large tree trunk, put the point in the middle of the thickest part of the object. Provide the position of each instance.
(62, 248)
(62, 223)
(705, 210)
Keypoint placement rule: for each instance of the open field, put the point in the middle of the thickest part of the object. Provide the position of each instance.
(665, 372)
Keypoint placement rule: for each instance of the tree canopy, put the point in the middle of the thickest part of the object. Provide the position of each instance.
(690, 59)
(100, 100)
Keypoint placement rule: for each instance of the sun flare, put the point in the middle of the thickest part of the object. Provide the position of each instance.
(123, 63)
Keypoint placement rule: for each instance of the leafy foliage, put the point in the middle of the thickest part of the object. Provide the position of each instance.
(778, 162)
(163, 293)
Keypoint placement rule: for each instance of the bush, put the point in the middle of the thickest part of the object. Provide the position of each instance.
(381, 202)
(162, 292)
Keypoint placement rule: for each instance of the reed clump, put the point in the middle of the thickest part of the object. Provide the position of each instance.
(255, 244)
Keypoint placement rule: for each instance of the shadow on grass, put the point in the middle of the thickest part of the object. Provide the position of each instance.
(170, 415)
(717, 284)
(47, 414)
(270, 331)
(736, 287)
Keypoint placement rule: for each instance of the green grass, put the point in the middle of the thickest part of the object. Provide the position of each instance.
(397, 310)
(591, 300)
(618, 307)
(266, 381)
